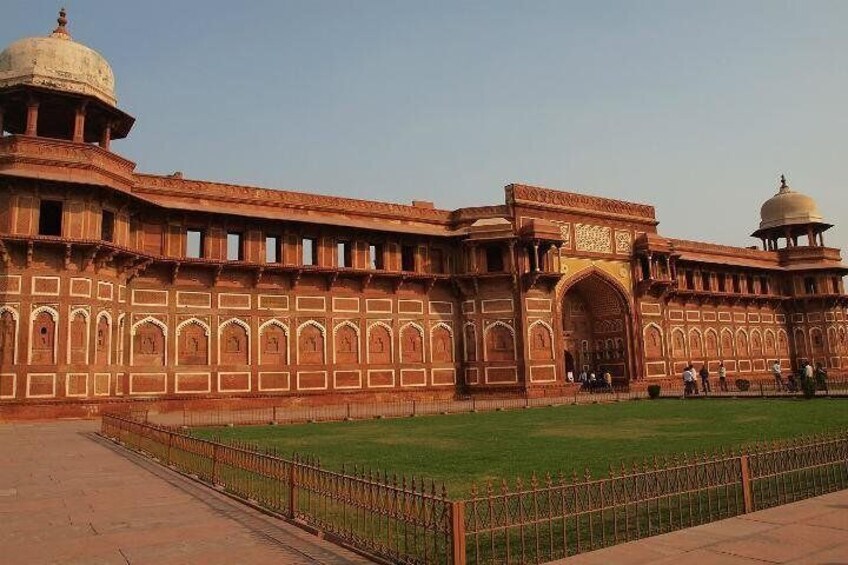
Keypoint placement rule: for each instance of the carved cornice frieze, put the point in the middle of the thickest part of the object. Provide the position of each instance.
(573, 202)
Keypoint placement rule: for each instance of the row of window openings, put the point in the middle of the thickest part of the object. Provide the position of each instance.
(309, 252)
(811, 285)
(50, 220)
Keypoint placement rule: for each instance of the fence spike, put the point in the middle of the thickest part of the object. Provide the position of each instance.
(587, 475)
(504, 487)
(473, 491)
(444, 492)
(548, 482)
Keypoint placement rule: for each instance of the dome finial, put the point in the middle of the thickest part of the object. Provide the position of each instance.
(62, 20)
(784, 186)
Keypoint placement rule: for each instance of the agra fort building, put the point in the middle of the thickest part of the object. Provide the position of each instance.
(116, 284)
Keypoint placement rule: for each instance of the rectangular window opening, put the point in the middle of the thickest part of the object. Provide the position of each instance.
(707, 281)
(107, 226)
(234, 247)
(437, 261)
(194, 244)
(310, 251)
(494, 259)
(810, 285)
(407, 258)
(272, 249)
(50, 218)
(737, 288)
(690, 280)
(344, 258)
(375, 256)
(721, 283)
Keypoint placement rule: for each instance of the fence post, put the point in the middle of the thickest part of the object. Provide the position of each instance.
(348, 410)
(275, 414)
(292, 490)
(747, 494)
(761, 389)
(413, 407)
(458, 532)
(168, 456)
(215, 463)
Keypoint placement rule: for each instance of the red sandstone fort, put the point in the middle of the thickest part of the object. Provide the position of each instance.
(118, 285)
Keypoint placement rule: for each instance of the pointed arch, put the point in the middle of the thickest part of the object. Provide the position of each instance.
(441, 343)
(119, 349)
(103, 338)
(499, 342)
(728, 343)
(652, 336)
(832, 339)
(782, 342)
(696, 343)
(678, 343)
(149, 342)
(311, 343)
(10, 330)
(800, 343)
(274, 340)
(469, 341)
(234, 342)
(742, 343)
(346, 343)
(816, 341)
(711, 343)
(192, 342)
(756, 343)
(381, 347)
(412, 343)
(44, 323)
(770, 342)
(79, 336)
(540, 336)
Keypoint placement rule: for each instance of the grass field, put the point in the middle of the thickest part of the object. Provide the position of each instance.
(463, 449)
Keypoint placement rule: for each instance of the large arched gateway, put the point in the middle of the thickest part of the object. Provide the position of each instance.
(595, 322)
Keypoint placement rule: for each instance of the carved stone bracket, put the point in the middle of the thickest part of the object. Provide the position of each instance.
(68, 254)
(4, 254)
(216, 274)
(257, 276)
(175, 271)
(90, 257)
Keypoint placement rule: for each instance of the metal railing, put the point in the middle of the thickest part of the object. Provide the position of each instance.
(740, 386)
(408, 521)
(394, 519)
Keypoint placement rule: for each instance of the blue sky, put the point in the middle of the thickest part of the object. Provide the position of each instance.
(696, 108)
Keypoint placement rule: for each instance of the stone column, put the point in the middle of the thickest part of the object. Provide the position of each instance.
(32, 118)
(106, 136)
(536, 257)
(79, 123)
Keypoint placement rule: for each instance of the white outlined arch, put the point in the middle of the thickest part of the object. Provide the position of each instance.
(660, 333)
(323, 332)
(784, 350)
(119, 348)
(700, 334)
(449, 329)
(813, 331)
(282, 326)
(388, 328)
(800, 344)
(671, 343)
(744, 332)
(550, 330)
(832, 339)
(486, 331)
(758, 333)
(54, 315)
(108, 316)
(156, 322)
(241, 323)
(71, 317)
(207, 331)
(465, 327)
(355, 328)
(724, 353)
(17, 318)
(421, 334)
(717, 351)
(775, 349)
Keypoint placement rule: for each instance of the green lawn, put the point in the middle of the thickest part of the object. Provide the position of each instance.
(466, 448)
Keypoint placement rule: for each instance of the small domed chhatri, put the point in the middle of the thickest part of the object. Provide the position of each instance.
(788, 207)
(58, 62)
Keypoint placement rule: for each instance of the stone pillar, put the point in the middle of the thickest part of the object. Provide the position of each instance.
(788, 235)
(79, 124)
(32, 118)
(811, 238)
(821, 238)
(106, 136)
(536, 257)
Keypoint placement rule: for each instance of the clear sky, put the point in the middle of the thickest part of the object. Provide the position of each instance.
(696, 108)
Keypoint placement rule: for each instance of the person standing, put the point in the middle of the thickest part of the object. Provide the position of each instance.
(778, 377)
(821, 377)
(808, 370)
(705, 379)
(688, 381)
(722, 377)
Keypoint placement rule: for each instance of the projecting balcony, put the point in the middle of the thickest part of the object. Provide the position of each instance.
(791, 256)
(64, 161)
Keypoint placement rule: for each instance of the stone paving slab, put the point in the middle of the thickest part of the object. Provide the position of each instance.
(812, 531)
(69, 497)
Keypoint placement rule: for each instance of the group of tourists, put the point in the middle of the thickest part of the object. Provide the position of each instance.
(595, 380)
(793, 383)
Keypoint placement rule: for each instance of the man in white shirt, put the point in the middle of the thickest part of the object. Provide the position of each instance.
(778, 378)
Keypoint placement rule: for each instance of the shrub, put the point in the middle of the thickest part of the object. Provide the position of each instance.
(808, 387)
(743, 384)
(653, 391)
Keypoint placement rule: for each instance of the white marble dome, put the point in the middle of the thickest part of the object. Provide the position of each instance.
(58, 62)
(787, 208)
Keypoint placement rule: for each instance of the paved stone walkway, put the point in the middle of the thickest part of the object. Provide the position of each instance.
(813, 531)
(67, 497)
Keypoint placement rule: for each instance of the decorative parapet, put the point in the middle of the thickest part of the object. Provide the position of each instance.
(545, 197)
(59, 160)
(687, 246)
(155, 185)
